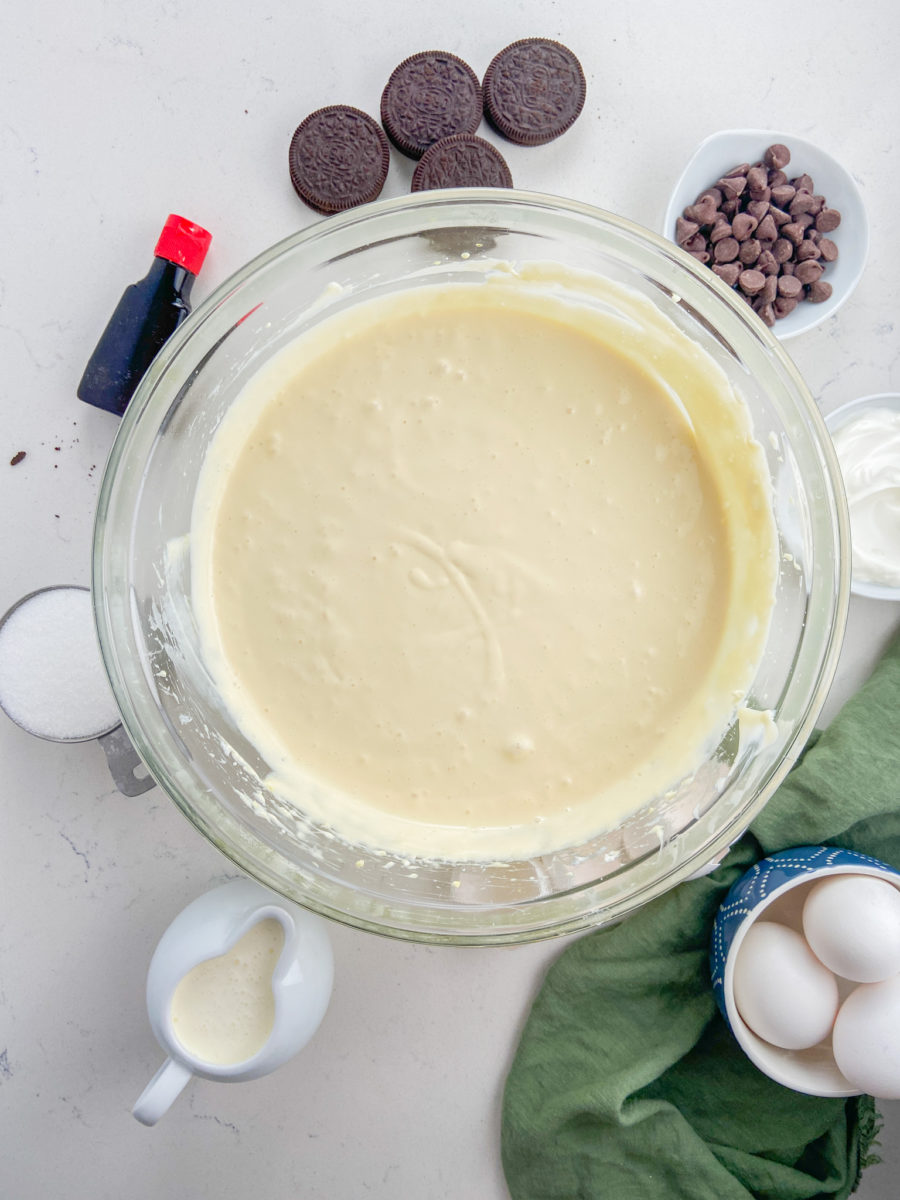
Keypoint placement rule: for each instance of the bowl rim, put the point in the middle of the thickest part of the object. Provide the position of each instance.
(815, 314)
(835, 420)
(588, 915)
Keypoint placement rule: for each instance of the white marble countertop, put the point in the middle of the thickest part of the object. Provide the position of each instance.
(114, 115)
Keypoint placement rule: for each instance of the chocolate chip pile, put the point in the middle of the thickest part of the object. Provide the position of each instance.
(764, 235)
(431, 106)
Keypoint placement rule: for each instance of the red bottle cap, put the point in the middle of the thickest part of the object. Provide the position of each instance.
(183, 242)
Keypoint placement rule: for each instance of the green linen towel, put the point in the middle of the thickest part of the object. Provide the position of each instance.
(627, 1083)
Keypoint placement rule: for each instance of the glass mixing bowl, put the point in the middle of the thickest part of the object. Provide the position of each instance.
(141, 571)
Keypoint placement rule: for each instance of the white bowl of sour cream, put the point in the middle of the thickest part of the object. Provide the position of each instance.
(866, 436)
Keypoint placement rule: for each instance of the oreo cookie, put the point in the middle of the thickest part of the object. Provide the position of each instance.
(430, 96)
(338, 158)
(461, 161)
(533, 91)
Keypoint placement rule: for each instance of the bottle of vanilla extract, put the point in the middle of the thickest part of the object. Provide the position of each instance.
(148, 314)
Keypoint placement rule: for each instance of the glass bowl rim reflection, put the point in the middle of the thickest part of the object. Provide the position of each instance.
(535, 917)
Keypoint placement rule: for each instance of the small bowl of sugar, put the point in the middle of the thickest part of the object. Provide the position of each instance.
(53, 683)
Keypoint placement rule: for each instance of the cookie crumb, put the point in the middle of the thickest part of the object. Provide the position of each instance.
(17, 458)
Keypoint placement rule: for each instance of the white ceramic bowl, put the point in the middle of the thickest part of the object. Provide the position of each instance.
(774, 889)
(835, 420)
(726, 149)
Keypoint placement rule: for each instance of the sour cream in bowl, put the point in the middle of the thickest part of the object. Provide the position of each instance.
(866, 436)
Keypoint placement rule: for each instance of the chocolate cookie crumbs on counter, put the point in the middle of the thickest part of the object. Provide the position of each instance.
(533, 91)
(429, 96)
(17, 458)
(461, 162)
(763, 234)
(338, 158)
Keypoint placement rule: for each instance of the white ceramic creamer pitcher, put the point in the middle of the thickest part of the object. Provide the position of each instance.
(207, 929)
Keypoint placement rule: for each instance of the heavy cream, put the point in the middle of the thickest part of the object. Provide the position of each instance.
(223, 1010)
(868, 449)
(479, 570)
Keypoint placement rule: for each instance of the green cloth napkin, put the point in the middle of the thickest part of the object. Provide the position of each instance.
(627, 1083)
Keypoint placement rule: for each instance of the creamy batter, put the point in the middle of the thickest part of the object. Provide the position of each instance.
(224, 1009)
(481, 571)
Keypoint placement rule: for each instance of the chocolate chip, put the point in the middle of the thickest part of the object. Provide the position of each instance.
(338, 158)
(728, 272)
(727, 250)
(809, 271)
(777, 178)
(782, 250)
(534, 90)
(793, 232)
(767, 230)
(749, 251)
(783, 195)
(732, 186)
(684, 230)
(828, 249)
(767, 262)
(703, 212)
(777, 156)
(757, 179)
(785, 305)
(766, 312)
(429, 96)
(770, 289)
(758, 209)
(806, 250)
(751, 282)
(778, 215)
(827, 220)
(789, 286)
(803, 183)
(819, 291)
(742, 226)
(801, 203)
(721, 229)
(461, 161)
(714, 194)
(804, 220)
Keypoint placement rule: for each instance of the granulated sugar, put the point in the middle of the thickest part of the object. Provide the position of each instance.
(52, 679)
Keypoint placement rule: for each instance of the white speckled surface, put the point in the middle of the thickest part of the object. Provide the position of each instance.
(113, 115)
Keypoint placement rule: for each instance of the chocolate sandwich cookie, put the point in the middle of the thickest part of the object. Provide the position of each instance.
(430, 96)
(533, 91)
(338, 158)
(461, 161)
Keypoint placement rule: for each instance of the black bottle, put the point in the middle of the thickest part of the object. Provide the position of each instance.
(146, 316)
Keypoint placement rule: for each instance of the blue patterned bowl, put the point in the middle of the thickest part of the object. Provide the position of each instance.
(777, 886)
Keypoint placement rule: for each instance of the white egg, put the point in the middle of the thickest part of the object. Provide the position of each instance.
(781, 990)
(852, 923)
(866, 1038)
